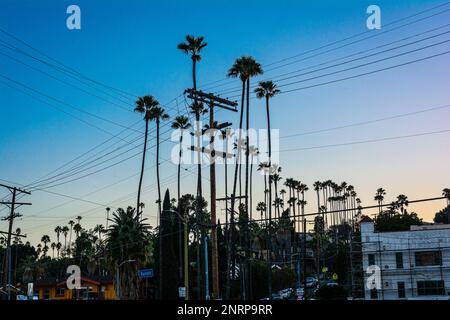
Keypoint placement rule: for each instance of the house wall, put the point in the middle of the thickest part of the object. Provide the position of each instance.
(385, 245)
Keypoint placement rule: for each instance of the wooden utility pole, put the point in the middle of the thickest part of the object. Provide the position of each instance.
(10, 218)
(213, 101)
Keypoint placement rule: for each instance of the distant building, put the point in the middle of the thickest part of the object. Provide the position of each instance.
(91, 288)
(413, 264)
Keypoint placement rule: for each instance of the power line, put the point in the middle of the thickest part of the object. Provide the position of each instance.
(347, 38)
(367, 141)
(297, 74)
(65, 103)
(355, 124)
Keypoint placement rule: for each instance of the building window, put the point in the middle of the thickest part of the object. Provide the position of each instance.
(60, 291)
(399, 260)
(430, 288)
(46, 294)
(401, 290)
(371, 258)
(428, 258)
(374, 294)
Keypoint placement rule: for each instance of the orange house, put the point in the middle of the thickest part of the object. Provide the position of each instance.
(91, 289)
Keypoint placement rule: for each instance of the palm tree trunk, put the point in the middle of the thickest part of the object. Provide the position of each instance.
(180, 229)
(159, 212)
(247, 209)
(269, 240)
(199, 169)
(230, 251)
(142, 168)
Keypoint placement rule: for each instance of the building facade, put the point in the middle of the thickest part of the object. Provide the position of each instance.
(409, 265)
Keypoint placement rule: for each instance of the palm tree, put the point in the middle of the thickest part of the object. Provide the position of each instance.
(53, 246)
(261, 207)
(253, 152)
(181, 123)
(267, 90)
(402, 202)
(58, 231)
(58, 248)
(143, 105)
(129, 233)
(45, 239)
(446, 193)
(379, 197)
(158, 114)
(65, 231)
(71, 224)
(193, 47)
(99, 229)
(77, 228)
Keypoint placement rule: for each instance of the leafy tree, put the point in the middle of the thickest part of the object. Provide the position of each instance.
(442, 215)
(391, 220)
(127, 250)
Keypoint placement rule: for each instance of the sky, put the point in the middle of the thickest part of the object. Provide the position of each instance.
(48, 118)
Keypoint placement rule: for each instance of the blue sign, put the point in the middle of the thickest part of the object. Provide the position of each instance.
(145, 273)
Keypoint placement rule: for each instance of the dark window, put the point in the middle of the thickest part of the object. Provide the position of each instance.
(430, 288)
(60, 291)
(374, 294)
(371, 258)
(428, 258)
(401, 289)
(399, 260)
(46, 294)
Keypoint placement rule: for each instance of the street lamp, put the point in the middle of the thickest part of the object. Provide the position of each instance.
(119, 289)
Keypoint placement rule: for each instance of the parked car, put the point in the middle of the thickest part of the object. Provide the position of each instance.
(286, 293)
(311, 282)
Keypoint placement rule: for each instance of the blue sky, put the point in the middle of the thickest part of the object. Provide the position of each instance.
(131, 45)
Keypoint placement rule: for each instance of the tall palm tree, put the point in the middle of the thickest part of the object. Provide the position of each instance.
(181, 124)
(193, 47)
(143, 105)
(71, 224)
(58, 248)
(58, 231)
(379, 197)
(99, 229)
(253, 152)
(158, 114)
(77, 228)
(53, 246)
(45, 239)
(65, 231)
(402, 202)
(267, 90)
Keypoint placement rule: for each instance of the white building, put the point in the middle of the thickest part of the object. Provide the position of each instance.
(413, 264)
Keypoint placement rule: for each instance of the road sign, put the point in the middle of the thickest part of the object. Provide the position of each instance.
(324, 269)
(145, 273)
(335, 276)
(182, 292)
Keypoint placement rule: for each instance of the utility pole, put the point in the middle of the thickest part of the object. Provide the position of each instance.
(10, 218)
(213, 101)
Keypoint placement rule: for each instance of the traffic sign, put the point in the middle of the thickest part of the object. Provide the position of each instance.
(335, 276)
(145, 273)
